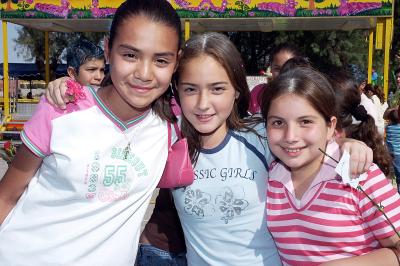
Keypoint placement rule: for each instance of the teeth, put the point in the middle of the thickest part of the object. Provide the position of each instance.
(292, 150)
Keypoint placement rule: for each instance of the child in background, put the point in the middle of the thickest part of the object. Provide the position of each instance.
(353, 121)
(86, 63)
(393, 141)
(278, 58)
(375, 93)
(79, 186)
(314, 218)
(360, 77)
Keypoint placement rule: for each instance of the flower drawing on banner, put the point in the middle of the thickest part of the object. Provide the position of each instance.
(59, 11)
(24, 4)
(231, 203)
(197, 203)
(203, 5)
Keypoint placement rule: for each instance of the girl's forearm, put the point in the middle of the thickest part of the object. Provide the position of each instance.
(382, 256)
(5, 208)
(16, 179)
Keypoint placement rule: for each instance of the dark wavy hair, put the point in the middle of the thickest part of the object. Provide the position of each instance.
(81, 52)
(297, 61)
(356, 122)
(357, 73)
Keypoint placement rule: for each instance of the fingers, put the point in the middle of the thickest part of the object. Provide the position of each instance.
(55, 93)
(361, 157)
(48, 94)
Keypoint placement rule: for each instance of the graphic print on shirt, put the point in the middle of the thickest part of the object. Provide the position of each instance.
(110, 179)
(229, 201)
(198, 203)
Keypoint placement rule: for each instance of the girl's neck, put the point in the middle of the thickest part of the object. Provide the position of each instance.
(117, 105)
(212, 140)
(303, 178)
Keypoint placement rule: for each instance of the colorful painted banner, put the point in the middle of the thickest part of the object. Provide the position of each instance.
(85, 9)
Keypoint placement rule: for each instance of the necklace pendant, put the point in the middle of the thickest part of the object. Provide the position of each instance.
(127, 150)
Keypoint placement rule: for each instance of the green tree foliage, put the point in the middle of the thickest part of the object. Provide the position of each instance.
(30, 45)
(255, 48)
(324, 48)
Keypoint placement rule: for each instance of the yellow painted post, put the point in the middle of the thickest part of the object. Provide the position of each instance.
(379, 34)
(47, 57)
(187, 30)
(386, 59)
(5, 72)
(370, 54)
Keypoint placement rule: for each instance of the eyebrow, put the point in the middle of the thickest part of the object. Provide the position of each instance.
(210, 84)
(127, 46)
(301, 117)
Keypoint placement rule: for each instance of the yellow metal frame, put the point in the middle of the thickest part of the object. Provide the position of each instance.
(386, 58)
(6, 78)
(379, 34)
(187, 30)
(370, 54)
(5, 72)
(47, 57)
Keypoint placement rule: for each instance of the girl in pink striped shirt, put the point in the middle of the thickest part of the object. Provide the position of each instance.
(314, 217)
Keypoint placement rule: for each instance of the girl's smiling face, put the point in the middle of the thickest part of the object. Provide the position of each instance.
(207, 97)
(296, 132)
(142, 59)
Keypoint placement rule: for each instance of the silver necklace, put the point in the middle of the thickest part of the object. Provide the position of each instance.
(127, 148)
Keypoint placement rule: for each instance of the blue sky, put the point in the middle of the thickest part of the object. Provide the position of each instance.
(12, 34)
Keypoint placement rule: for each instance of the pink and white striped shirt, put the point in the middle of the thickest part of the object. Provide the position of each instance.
(332, 220)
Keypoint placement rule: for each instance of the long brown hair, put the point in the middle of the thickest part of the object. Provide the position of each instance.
(356, 122)
(221, 49)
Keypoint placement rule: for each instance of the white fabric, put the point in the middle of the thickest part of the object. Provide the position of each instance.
(381, 108)
(369, 106)
(223, 212)
(85, 204)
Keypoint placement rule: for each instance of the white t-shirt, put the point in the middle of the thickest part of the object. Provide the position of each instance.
(223, 212)
(381, 108)
(85, 204)
(369, 106)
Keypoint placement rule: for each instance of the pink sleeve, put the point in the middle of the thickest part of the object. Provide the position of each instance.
(379, 188)
(36, 134)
